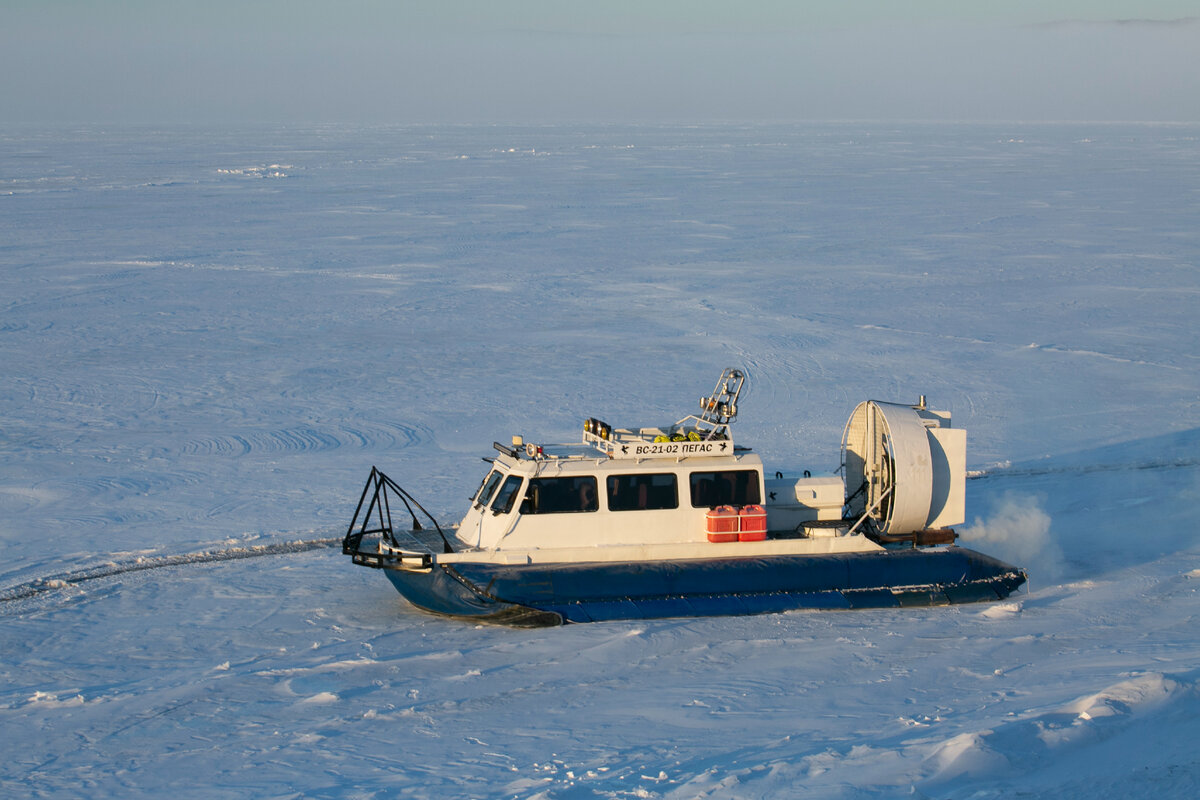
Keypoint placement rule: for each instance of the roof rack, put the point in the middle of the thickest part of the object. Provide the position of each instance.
(703, 434)
(720, 408)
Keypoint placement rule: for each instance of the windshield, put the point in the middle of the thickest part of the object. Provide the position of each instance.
(507, 494)
(490, 481)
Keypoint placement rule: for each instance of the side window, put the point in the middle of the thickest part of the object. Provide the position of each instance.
(561, 495)
(642, 492)
(490, 481)
(507, 494)
(735, 487)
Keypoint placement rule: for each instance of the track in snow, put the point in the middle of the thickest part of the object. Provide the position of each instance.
(1083, 469)
(49, 583)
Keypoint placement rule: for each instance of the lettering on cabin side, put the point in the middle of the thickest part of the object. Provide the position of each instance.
(673, 448)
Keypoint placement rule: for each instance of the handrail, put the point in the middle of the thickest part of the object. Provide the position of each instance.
(380, 508)
(867, 513)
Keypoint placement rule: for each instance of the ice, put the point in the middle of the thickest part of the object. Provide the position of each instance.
(202, 363)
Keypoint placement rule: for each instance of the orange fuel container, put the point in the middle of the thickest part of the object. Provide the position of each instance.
(752, 525)
(722, 524)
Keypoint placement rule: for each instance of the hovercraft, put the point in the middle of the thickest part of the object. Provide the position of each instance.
(679, 521)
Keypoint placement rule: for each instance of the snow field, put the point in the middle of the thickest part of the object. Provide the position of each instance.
(209, 338)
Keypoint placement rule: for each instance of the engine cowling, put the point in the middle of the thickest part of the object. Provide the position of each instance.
(905, 467)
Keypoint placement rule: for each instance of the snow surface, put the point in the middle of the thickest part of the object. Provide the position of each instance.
(208, 337)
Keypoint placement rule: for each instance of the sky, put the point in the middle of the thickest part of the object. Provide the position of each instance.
(371, 61)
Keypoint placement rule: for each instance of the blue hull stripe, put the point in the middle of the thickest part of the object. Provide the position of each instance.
(540, 594)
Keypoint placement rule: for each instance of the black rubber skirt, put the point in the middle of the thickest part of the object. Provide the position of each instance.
(550, 594)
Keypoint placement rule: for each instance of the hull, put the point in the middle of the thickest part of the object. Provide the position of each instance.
(548, 594)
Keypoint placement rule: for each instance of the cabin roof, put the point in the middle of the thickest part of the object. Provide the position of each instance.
(579, 459)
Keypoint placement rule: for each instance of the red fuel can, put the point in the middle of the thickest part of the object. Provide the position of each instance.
(752, 525)
(722, 524)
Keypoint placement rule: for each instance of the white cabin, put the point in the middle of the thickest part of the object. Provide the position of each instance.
(636, 488)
